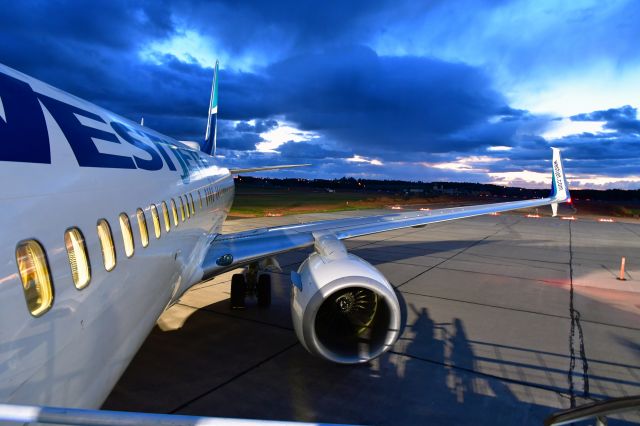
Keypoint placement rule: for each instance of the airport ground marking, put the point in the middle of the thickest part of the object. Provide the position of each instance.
(576, 326)
(457, 253)
(556, 389)
(629, 229)
(449, 365)
(488, 305)
(235, 377)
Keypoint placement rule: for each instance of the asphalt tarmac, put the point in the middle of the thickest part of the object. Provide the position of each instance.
(507, 320)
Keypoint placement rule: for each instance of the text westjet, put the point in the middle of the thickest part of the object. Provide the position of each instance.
(24, 135)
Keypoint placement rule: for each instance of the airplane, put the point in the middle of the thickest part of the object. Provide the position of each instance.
(106, 223)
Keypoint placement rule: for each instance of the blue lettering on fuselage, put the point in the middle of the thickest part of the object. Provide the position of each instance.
(80, 137)
(127, 133)
(24, 136)
(158, 143)
(23, 133)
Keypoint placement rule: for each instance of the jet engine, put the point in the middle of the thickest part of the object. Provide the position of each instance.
(343, 308)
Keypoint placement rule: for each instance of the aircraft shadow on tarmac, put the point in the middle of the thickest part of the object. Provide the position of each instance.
(247, 364)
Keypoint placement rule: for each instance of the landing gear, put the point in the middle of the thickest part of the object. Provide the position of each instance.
(263, 290)
(238, 291)
(249, 284)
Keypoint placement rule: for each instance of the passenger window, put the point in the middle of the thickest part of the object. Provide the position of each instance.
(200, 197)
(175, 212)
(142, 226)
(156, 220)
(181, 208)
(106, 245)
(78, 260)
(34, 273)
(127, 236)
(186, 205)
(165, 215)
(193, 206)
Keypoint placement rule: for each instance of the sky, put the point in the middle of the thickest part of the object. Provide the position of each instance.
(465, 90)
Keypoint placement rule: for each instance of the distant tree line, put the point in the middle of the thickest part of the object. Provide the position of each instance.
(400, 187)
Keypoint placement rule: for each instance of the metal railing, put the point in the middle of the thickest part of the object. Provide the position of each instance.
(78, 416)
(598, 410)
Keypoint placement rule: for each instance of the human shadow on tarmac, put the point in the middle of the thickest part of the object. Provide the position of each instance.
(445, 389)
(246, 364)
(223, 365)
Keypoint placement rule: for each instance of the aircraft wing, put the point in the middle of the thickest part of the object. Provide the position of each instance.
(262, 169)
(228, 251)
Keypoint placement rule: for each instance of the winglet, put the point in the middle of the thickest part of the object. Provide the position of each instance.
(209, 144)
(559, 187)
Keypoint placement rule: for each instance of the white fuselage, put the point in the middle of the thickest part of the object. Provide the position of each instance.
(73, 354)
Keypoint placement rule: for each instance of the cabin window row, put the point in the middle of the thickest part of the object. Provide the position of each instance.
(32, 260)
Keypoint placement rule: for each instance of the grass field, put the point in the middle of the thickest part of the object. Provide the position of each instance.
(276, 202)
(273, 201)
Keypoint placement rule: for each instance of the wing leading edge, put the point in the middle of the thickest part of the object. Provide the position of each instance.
(228, 251)
(262, 169)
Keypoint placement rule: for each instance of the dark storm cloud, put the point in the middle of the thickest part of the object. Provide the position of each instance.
(118, 24)
(317, 72)
(309, 150)
(626, 112)
(591, 153)
(239, 142)
(295, 25)
(93, 53)
(369, 103)
(240, 136)
(181, 128)
(353, 95)
(260, 126)
(623, 119)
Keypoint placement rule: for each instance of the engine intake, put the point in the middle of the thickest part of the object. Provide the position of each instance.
(343, 308)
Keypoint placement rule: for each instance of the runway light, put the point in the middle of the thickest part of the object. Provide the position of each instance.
(605, 219)
(494, 214)
(396, 208)
(533, 215)
(568, 218)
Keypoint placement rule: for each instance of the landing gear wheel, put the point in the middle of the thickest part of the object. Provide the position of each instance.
(238, 291)
(263, 290)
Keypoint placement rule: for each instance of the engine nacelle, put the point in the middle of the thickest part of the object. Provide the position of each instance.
(343, 308)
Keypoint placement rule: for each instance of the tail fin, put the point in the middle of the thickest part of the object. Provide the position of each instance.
(209, 144)
(559, 187)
